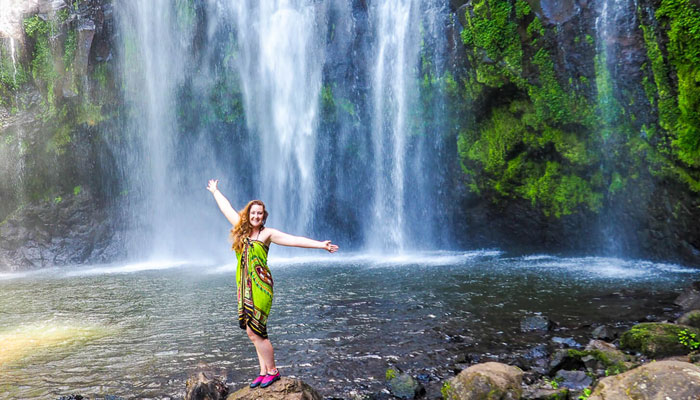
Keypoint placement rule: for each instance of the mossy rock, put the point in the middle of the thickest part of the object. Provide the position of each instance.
(655, 339)
(614, 362)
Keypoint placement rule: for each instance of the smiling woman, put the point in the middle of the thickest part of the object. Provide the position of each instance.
(251, 242)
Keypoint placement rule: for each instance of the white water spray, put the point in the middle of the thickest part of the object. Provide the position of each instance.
(396, 55)
(281, 57)
(14, 61)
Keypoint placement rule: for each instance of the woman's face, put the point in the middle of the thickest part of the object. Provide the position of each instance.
(257, 213)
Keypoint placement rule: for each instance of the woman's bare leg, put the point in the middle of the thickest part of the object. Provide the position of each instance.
(266, 354)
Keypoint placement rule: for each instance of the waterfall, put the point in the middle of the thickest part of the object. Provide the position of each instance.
(400, 191)
(14, 61)
(395, 55)
(281, 56)
(154, 49)
(615, 25)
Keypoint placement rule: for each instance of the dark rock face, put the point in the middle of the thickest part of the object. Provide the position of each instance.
(71, 230)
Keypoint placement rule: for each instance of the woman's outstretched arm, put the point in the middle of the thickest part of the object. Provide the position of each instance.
(285, 239)
(223, 203)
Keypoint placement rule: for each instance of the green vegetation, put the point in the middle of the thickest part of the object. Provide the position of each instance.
(566, 143)
(586, 394)
(657, 339)
(532, 145)
(688, 339)
(391, 374)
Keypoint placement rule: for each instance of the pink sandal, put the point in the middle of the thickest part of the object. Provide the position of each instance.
(270, 379)
(257, 381)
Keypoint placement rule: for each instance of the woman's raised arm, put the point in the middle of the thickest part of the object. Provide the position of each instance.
(223, 203)
(285, 239)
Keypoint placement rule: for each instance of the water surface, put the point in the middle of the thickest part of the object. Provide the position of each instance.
(338, 321)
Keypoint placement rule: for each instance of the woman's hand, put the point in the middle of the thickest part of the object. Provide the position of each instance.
(330, 247)
(212, 185)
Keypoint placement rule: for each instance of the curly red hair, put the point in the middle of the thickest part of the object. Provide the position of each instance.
(243, 228)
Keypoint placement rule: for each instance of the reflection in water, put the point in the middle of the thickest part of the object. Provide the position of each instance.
(337, 322)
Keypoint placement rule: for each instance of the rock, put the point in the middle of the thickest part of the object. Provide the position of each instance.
(691, 318)
(556, 11)
(539, 351)
(656, 339)
(690, 298)
(535, 323)
(603, 332)
(204, 386)
(284, 389)
(545, 394)
(608, 357)
(568, 342)
(490, 380)
(657, 380)
(402, 385)
(576, 380)
(71, 229)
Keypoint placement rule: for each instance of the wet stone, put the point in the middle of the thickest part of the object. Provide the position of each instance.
(567, 342)
(575, 380)
(603, 332)
(534, 323)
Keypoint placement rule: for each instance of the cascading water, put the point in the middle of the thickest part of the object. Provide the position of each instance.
(615, 24)
(281, 57)
(14, 60)
(395, 55)
(153, 57)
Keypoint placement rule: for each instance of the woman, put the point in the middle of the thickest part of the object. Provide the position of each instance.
(251, 241)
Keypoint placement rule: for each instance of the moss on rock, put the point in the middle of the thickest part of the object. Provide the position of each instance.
(655, 339)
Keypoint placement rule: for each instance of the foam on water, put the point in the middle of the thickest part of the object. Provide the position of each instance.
(602, 267)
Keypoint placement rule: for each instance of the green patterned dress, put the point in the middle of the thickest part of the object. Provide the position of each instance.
(254, 283)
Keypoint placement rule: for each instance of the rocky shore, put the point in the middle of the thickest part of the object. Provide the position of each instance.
(653, 359)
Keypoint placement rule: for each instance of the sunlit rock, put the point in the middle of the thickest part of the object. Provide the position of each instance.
(656, 380)
(283, 389)
(488, 380)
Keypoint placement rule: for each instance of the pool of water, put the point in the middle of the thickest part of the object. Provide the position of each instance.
(338, 321)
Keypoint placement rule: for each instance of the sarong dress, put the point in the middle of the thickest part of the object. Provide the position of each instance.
(254, 283)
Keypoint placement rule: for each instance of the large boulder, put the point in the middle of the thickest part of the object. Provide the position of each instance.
(284, 389)
(491, 380)
(656, 339)
(654, 381)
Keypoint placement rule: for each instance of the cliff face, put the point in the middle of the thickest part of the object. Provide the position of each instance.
(581, 117)
(569, 126)
(58, 106)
